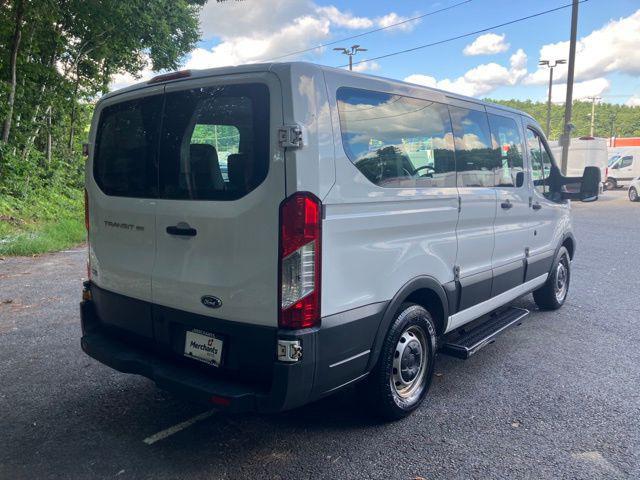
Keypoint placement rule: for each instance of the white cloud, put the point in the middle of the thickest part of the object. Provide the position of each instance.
(392, 18)
(634, 101)
(518, 64)
(612, 48)
(249, 18)
(344, 19)
(420, 79)
(260, 31)
(487, 44)
(122, 80)
(303, 32)
(581, 90)
(481, 79)
(366, 65)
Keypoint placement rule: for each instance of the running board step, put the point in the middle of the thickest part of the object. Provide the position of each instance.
(467, 342)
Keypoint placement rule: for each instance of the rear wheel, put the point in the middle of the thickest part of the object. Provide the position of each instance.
(610, 184)
(633, 194)
(402, 376)
(553, 293)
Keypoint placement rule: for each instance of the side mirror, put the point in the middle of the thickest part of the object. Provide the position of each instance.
(590, 186)
(585, 189)
(519, 179)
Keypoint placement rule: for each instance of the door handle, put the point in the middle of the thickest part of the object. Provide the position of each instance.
(536, 206)
(185, 231)
(506, 205)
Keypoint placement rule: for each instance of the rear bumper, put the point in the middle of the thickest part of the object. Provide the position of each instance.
(328, 363)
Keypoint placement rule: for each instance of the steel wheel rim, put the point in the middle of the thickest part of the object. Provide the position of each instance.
(633, 194)
(410, 362)
(561, 281)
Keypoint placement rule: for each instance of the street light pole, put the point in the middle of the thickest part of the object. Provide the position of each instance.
(549, 101)
(551, 64)
(566, 135)
(350, 52)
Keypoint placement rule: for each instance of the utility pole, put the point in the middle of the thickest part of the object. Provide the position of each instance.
(551, 64)
(593, 113)
(566, 135)
(350, 52)
(613, 129)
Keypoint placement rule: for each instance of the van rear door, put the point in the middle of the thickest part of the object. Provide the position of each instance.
(221, 181)
(121, 183)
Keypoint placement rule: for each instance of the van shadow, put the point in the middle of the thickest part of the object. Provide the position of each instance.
(120, 412)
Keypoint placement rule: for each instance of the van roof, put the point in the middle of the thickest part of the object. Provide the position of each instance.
(261, 67)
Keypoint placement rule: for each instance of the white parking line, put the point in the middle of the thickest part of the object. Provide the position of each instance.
(156, 437)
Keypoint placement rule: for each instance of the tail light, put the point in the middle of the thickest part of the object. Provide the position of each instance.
(299, 256)
(86, 226)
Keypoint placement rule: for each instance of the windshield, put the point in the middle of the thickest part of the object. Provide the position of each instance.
(613, 159)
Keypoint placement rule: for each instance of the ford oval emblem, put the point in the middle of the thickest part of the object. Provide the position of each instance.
(211, 301)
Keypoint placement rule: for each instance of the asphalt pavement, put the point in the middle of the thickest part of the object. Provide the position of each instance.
(557, 397)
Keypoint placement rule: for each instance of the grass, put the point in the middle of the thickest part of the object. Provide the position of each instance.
(41, 222)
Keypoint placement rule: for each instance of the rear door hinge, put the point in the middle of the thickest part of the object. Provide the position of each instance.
(456, 272)
(291, 136)
(459, 203)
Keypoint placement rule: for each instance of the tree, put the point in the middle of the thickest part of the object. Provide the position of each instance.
(62, 53)
(15, 47)
(611, 119)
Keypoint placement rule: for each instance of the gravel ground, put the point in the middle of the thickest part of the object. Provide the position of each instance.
(557, 397)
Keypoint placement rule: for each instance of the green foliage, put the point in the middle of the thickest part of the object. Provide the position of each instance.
(225, 138)
(68, 52)
(611, 119)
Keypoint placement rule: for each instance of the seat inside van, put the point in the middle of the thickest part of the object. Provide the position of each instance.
(203, 175)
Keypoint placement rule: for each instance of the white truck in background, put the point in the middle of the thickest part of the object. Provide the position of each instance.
(585, 152)
(624, 166)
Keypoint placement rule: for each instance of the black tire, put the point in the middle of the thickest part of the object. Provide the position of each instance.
(380, 392)
(553, 294)
(610, 184)
(633, 195)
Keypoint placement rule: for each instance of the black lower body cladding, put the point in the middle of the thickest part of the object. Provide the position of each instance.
(138, 337)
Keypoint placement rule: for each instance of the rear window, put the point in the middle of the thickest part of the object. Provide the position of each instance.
(203, 144)
(215, 142)
(124, 161)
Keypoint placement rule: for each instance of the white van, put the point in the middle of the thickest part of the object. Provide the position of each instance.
(624, 166)
(584, 152)
(361, 225)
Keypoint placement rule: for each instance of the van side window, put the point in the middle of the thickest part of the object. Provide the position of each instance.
(538, 171)
(475, 159)
(397, 141)
(126, 148)
(626, 161)
(507, 146)
(214, 143)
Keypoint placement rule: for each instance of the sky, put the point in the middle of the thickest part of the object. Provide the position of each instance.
(501, 63)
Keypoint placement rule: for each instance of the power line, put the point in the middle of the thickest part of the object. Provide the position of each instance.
(371, 31)
(439, 42)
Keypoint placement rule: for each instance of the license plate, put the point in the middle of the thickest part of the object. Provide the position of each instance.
(203, 346)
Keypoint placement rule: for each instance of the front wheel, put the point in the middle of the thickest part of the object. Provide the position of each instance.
(552, 295)
(610, 184)
(633, 194)
(401, 378)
